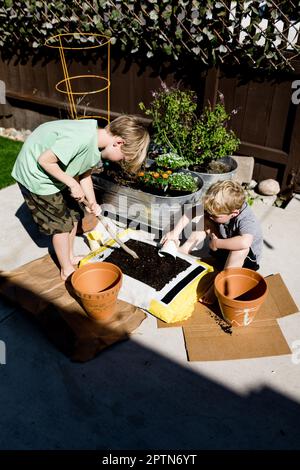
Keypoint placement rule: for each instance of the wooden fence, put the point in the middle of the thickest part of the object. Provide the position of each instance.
(267, 123)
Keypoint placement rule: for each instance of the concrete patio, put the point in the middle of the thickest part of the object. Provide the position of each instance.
(143, 393)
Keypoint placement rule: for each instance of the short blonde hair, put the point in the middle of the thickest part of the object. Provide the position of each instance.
(224, 197)
(136, 138)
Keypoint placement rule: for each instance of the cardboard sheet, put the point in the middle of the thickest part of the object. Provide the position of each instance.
(207, 337)
(37, 288)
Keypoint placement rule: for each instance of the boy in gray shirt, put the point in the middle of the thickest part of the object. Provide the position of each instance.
(234, 233)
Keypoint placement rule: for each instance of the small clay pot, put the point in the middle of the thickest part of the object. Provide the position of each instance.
(240, 292)
(97, 285)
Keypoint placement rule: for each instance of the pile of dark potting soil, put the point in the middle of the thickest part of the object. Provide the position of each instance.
(150, 268)
(221, 322)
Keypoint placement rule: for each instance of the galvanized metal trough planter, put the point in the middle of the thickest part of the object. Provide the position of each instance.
(211, 178)
(138, 207)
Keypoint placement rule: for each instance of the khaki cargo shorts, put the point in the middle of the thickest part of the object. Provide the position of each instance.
(54, 213)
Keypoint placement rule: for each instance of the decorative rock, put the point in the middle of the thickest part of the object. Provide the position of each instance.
(252, 184)
(14, 134)
(269, 187)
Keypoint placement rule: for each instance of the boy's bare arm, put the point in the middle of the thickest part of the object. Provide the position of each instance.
(86, 183)
(49, 162)
(240, 242)
(175, 233)
(181, 224)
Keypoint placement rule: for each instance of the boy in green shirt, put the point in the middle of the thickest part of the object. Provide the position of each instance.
(54, 169)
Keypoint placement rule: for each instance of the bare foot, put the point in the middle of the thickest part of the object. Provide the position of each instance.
(76, 259)
(209, 297)
(65, 273)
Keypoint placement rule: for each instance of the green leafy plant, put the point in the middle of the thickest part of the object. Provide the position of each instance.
(192, 139)
(183, 182)
(172, 112)
(171, 161)
(211, 139)
(250, 198)
(251, 195)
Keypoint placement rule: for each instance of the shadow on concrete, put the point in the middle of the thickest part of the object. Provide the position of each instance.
(129, 397)
(25, 217)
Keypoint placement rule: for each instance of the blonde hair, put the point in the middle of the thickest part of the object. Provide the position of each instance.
(136, 139)
(224, 197)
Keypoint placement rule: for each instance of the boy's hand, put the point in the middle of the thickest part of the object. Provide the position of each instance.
(213, 241)
(94, 209)
(77, 192)
(169, 236)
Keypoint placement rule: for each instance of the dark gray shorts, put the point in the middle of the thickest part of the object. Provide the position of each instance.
(54, 213)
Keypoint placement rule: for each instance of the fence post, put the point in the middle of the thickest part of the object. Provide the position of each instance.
(211, 87)
(2, 92)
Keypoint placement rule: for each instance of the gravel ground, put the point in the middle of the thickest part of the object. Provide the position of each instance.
(14, 134)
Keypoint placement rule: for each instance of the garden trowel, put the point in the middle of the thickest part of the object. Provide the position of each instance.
(90, 221)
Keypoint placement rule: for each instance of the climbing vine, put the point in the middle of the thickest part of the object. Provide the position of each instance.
(255, 34)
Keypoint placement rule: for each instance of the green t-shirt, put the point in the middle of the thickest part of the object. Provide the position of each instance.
(74, 142)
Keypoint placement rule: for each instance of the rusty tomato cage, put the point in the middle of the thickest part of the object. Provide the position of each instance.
(73, 50)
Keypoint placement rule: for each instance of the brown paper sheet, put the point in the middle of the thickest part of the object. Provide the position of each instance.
(37, 288)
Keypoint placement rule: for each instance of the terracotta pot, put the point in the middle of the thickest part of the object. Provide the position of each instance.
(97, 285)
(240, 293)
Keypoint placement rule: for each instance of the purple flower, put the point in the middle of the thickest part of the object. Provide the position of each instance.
(164, 86)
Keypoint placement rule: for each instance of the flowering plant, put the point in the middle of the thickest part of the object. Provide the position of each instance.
(158, 178)
(167, 180)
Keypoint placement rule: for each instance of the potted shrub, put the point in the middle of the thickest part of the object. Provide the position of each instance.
(201, 143)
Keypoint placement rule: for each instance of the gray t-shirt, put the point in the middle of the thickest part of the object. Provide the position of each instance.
(244, 223)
